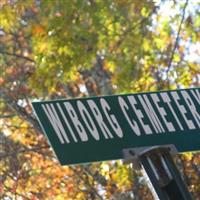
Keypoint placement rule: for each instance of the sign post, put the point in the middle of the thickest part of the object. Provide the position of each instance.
(157, 162)
(100, 128)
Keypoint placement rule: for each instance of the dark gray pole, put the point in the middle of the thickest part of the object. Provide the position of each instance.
(161, 170)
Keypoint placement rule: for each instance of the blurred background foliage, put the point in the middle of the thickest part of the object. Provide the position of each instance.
(51, 49)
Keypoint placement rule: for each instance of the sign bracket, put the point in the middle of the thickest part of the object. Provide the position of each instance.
(158, 165)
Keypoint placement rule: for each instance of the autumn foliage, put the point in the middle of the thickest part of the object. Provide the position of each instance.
(52, 49)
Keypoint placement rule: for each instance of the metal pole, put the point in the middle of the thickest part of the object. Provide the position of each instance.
(160, 168)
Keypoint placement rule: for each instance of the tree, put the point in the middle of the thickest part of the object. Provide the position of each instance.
(73, 48)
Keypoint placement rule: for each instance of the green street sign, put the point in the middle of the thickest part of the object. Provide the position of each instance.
(99, 128)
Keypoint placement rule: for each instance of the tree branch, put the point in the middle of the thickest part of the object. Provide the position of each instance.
(34, 149)
(177, 39)
(119, 42)
(19, 110)
(15, 192)
(77, 173)
(7, 116)
(17, 55)
(100, 179)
